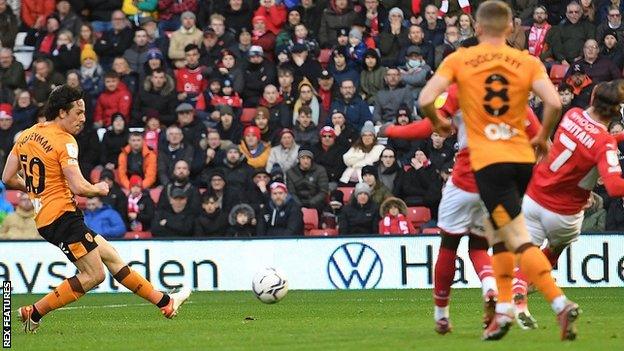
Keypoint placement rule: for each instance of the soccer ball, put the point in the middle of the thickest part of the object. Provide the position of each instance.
(270, 285)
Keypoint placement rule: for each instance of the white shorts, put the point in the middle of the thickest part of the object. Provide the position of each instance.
(560, 230)
(460, 211)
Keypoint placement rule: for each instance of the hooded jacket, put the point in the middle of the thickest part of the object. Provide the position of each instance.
(105, 221)
(398, 224)
(238, 230)
(285, 220)
(109, 102)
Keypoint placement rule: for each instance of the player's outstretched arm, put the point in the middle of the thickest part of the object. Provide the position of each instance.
(415, 130)
(80, 186)
(434, 87)
(10, 177)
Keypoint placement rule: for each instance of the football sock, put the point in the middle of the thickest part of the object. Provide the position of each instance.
(444, 270)
(67, 292)
(140, 286)
(534, 265)
(440, 312)
(482, 262)
(520, 284)
(503, 264)
(559, 303)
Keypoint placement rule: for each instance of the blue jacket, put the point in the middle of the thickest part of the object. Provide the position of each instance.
(5, 206)
(356, 111)
(105, 221)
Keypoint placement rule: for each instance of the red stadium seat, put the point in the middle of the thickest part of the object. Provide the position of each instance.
(12, 196)
(155, 194)
(247, 115)
(310, 219)
(322, 232)
(434, 230)
(347, 191)
(558, 72)
(138, 235)
(418, 215)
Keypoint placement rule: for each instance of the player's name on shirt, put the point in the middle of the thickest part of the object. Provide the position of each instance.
(494, 56)
(38, 138)
(581, 129)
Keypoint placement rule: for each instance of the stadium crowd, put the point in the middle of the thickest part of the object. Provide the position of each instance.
(247, 118)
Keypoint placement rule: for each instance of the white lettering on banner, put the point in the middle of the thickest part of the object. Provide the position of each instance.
(400, 262)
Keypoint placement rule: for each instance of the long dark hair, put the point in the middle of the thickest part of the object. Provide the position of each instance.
(607, 97)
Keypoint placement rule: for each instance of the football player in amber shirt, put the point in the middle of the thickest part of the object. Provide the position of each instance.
(494, 82)
(47, 154)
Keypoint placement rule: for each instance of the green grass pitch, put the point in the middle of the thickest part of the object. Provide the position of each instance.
(312, 320)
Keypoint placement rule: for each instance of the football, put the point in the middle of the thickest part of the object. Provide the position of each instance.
(270, 285)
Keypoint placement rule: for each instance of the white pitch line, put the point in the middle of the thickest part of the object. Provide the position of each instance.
(110, 306)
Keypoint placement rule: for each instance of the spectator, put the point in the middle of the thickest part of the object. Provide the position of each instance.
(432, 26)
(612, 49)
(140, 205)
(180, 180)
(279, 114)
(388, 169)
(374, 16)
(353, 107)
(35, 12)
(415, 73)
(210, 51)
(212, 221)
(189, 79)
(258, 74)
(282, 215)
(581, 84)
(103, 219)
(379, 192)
(127, 76)
(284, 154)
(613, 24)
(594, 217)
(303, 64)
(345, 133)
(311, 15)
(420, 185)
(566, 96)
(100, 12)
(229, 68)
(229, 128)
(137, 159)
(286, 86)
(465, 24)
(393, 38)
(356, 47)
(361, 215)
(187, 34)
(305, 130)
(172, 220)
(338, 14)
(18, 224)
(136, 55)
(340, 67)
(157, 94)
(194, 133)
(307, 181)
(225, 38)
(372, 76)
(215, 154)
(65, 55)
(44, 80)
(263, 37)
(328, 153)
(517, 38)
(7, 131)
(259, 195)
(388, 100)
(365, 151)
(566, 40)
(440, 152)
(536, 42)
(114, 99)
(326, 91)
(86, 36)
(331, 212)
(255, 150)
(416, 37)
(615, 215)
(139, 9)
(155, 60)
(308, 98)
(90, 151)
(5, 206)
(242, 220)
(452, 42)
(599, 69)
(236, 170)
(287, 32)
(170, 12)
(393, 212)
(115, 41)
(274, 14)
(237, 15)
(69, 18)
(171, 152)
(12, 73)
(25, 111)
(114, 140)
(90, 76)
(8, 25)
(226, 196)
(152, 130)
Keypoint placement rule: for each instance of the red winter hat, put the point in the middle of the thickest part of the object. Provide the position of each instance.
(252, 130)
(279, 185)
(6, 111)
(135, 180)
(258, 18)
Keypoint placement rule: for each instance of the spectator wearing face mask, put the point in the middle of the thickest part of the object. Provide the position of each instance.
(415, 73)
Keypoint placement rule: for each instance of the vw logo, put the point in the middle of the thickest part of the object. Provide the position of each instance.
(354, 266)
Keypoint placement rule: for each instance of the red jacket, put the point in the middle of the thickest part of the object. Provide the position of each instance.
(169, 8)
(396, 225)
(33, 9)
(275, 17)
(110, 102)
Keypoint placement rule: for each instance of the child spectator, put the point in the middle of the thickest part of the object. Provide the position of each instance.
(393, 212)
(379, 192)
(356, 48)
(212, 221)
(140, 206)
(152, 130)
(242, 221)
(227, 96)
